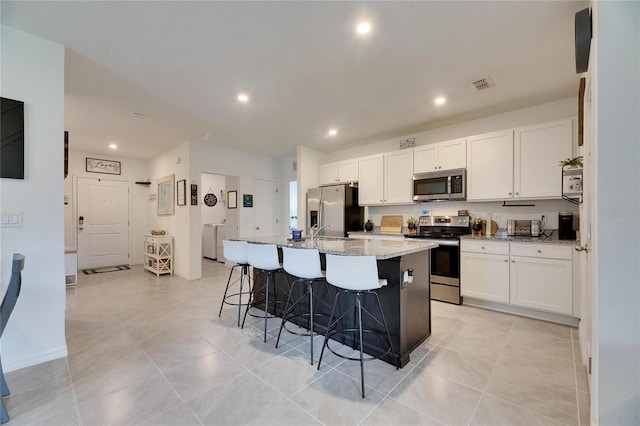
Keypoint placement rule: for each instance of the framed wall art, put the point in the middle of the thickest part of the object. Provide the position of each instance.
(232, 199)
(247, 200)
(95, 165)
(181, 189)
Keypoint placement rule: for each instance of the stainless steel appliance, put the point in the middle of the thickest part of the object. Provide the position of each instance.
(445, 259)
(536, 228)
(440, 186)
(209, 241)
(335, 209)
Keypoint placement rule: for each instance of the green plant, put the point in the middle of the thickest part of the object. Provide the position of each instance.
(412, 221)
(573, 162)
(477, 221)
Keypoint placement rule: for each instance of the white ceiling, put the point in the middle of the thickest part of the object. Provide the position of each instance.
(181, 64)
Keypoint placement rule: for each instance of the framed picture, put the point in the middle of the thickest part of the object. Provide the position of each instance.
(181, 189)
(194, 194)
(95, 165)
(232, 199)
(247, 200)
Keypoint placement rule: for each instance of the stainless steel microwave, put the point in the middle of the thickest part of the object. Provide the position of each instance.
(446, 185)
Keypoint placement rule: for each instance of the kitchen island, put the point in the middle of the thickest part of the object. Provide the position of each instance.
(405, 299)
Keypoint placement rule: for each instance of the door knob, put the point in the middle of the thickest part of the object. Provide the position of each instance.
(584, 248)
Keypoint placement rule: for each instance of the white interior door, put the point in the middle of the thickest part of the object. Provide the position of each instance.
(264, 205)
(103, 223)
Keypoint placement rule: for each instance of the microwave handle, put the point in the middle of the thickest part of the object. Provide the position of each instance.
(449, 184)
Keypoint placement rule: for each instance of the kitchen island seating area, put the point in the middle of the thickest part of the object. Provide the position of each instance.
(356, 276)
(236, 252)
(304, 266)
(264, 260)
(403, 303)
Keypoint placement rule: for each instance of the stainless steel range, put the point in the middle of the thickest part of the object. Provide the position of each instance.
(445, 259)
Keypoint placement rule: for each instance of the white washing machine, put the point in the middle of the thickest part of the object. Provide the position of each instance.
(210, 241)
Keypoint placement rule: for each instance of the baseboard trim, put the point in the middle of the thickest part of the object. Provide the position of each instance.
(523, 312)
(39, 359)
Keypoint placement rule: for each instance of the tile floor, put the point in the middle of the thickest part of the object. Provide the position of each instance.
(147, 350)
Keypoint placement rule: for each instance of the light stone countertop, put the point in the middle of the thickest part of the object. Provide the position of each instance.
(381, 249)
(552, 238)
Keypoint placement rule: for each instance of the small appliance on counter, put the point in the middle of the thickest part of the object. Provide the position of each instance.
(565, 226)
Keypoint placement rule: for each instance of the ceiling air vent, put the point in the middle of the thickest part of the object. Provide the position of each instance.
(483, 83)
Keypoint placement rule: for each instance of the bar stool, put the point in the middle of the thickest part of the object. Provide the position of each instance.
(236, 252)
(304, 264)
(264, 259)
(357, 276)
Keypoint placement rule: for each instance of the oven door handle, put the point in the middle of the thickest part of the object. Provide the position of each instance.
(442, 242)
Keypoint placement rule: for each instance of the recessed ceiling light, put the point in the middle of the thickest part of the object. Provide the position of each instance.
(137, 114)
(113, 146)
(242, 97)
(363, 28)
(439, 100)
(332, 132)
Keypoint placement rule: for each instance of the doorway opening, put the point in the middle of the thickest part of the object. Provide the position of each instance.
(293, 205)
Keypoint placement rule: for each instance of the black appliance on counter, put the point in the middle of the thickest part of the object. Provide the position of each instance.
(445, 259)
(565, 226)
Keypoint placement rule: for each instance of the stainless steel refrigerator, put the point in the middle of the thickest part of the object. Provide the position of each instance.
(336, 206)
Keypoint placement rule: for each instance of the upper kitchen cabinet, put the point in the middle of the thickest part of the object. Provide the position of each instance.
(386, 178)
(538, 150)
(447, 155)
(490, 166)
(518, 164)
(339, 172)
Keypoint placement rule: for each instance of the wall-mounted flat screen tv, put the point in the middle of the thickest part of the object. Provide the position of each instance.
(12, 136)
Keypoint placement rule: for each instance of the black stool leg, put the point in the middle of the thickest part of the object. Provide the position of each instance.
(359, 305)
(226, 290)
(329, 325)
(310, 290)
(384, 321)
(4, 416)
(286, 312)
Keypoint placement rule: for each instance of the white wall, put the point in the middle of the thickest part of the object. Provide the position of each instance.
(176, 162)
(615, 389)
(33, 72)
(132, 171)
(287, 174)
(565, 108)
(308, 174)
(214, 184)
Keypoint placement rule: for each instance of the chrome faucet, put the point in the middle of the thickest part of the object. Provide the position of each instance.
(313, 235)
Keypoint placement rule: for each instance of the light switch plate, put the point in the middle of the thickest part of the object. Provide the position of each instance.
(11, 220)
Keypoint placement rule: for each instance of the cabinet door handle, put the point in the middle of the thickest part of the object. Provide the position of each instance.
(482, 247)
(539, 251)
(506, 261)
(510, 193)
(435, 167)
(517, 193)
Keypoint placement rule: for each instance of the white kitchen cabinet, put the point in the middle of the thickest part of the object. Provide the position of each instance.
(518, 164)
(158, 254)
(537, 151)
(484, 271)
(440, 156)
(532, 276)
(490, 166)
(339, 172)
(542, 277)
(386, 178)
(371, 180)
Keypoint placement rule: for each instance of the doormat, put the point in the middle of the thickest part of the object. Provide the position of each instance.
(105, 269)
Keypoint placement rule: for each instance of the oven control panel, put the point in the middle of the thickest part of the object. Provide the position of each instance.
(454, 221)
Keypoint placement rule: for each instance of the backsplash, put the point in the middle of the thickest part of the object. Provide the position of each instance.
(499, 213)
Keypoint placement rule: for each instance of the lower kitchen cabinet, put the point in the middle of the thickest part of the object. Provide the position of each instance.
(485, 276)
(533, 276)
(542, 283)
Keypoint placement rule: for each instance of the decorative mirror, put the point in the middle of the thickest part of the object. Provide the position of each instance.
(165, 195)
